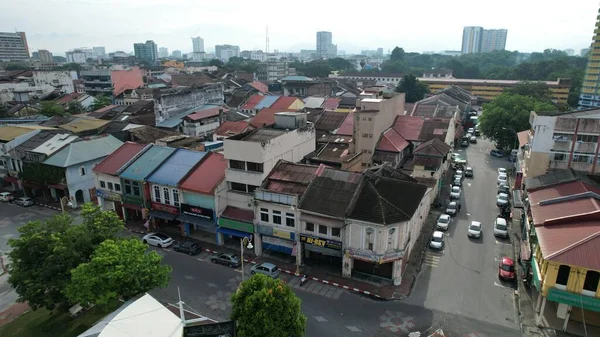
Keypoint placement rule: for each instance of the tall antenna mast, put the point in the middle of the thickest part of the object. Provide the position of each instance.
(267, 41)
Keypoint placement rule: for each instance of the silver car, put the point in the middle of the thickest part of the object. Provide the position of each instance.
(500, 228)
(455, 192)
(474, 230)
(443, 222)
(453, 208)
(502, 199)
(265, 268)
(159, 240)
(24, 201)
(437, 241)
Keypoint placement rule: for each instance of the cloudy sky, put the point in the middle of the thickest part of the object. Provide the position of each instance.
(433, 25)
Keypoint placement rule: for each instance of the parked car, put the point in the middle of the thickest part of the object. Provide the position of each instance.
(159, 240)
(502, 200)
(453, 208)
(455, 192)
(469, 172)
(459, 173)
(496, 153)
(227, 259)
(6, 196)
(437, 240)
(464, 143)
(502, 179)
(477, 133)
(471, 130)
(443, 222)
(473, 140)
(188, 247)
(501, 170)
(265, 268)
(500, 228)
(24, 201)
(474, 230)
(468, 136)
(503, 188)
(457, 182)
(506, 269)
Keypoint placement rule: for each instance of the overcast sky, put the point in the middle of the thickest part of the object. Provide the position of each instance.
(433, 25)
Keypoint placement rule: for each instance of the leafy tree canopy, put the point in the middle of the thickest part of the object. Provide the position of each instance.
(42, 174)
(50, 108)
(508, 114)
(75, 107)
(100, 102)
(322, 68)
(414, 90)
(264, 307)
(397, 54)
(118, 268)
(537, 90)
(216, 62)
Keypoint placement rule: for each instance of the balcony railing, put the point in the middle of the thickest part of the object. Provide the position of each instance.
(555, 164)
(585, 147)
(562, 145)
(584, 167)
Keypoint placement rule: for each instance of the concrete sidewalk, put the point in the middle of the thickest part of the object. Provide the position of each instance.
(9, 308)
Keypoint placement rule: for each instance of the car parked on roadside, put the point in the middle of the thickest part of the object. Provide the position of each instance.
(473, 140)
(265, 268)
(500, 228)
(187, 247)
(502, 170)
(503, 188)
(469, 172)
(502, 179)
(459, 173)
(24, 201)
(443, 222)
(6, 196)
(457, 182)
(159, 240)
(464, 143)
(453, 208)
(506, 269)
(496, 153)
(228, 259)
(455, 192)
(474, 230)
(437, 240)
(502, 200)
(471, 130)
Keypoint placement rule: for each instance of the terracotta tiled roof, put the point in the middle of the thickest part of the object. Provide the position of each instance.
(111, 164)
(347, 127)
(408, 107)
(284, 102)
(330, 121)
(408, 127)
(198, 115)
(331, 104)
(232, 128)
(434, 128)
(434, 147)
(391, 141)
(266, 116)
(68, 98)
(259, 86)
(207, 176)
(252, 101)
(239, 214)
(427, 161)
(126, 79)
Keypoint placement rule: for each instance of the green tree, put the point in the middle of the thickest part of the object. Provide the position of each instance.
(100, 102)
(50, 108)
(537, 90)
(216, 62)
(42, 174)
(46, 251)
(75, 107)
(118, 269)
(264, 307)
(507, 114)
(414, 90)
(16, 66)
(397, 54)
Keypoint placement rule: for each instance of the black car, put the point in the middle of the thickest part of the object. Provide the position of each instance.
(496, 153)
(227, 259)
(188, 247)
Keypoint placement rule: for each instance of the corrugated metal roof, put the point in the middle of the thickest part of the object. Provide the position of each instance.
(284, 102)
(576, 244)
(207, 176)
(266, 116)
(112, 164)
(54, 144)
(239, 214)
(313, 102)
(84, 151)
(296, 78)
(434, 147)
(84, 124)
(347, 127)
(391, 141)
(252, 101)
(408, 127)
(177, 119)
(290, 178)
(146, 163)
(176, 167)
(266, 102)
(331, 104)
(10, 132)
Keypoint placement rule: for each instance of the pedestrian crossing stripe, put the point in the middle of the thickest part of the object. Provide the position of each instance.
(431, 260)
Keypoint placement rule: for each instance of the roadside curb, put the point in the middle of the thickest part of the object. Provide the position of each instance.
(293, 273)
(48, 206)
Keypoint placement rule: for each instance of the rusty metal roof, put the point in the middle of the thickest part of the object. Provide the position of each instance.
(292, 178)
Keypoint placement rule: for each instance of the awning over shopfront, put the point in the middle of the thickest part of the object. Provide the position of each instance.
(195, 220)
(32, 184)
(10, 179)
(133, 207)
(233, 232)
(162, 215)
(58, 186)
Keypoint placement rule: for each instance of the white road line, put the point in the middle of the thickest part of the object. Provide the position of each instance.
(353, 328)
(320, 318)
(501, 286)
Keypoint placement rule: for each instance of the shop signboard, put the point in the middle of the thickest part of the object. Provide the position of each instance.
(106, 195)
(276, 232)
(164, 208)
(278, 242)
(133, 199)
(201, 212)
(363, 255)
(264, 230)
(574, 299)
(391, 256)
(327, 243)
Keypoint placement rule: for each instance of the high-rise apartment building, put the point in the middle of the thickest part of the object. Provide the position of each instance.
(99, 51)
(147, 51)
(325, 46)
(198, 44)
(45, 56)
(13, 46)
(471, 40)
(590, 89)
(226, 51)
(493, 39)
(163, 52)
(79, 55)
(176, 54)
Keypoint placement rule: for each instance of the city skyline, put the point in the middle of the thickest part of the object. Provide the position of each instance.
(567, 28)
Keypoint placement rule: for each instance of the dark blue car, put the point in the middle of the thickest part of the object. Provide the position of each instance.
(496, 153)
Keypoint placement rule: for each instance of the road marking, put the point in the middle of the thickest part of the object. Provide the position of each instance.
(353, 328)
(397, 321)
(501, 286)
(431, 260)
(189, 277)
(212, 285)
(320, 319)
(498, 242)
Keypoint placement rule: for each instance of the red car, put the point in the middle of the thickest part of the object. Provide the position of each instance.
(506, 269)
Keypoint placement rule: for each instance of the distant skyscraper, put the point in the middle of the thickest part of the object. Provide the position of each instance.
(226, 51)
(163, 52)
(45, 56)
(198, 44)
(584, 51)
(493, 39)
(99, 51)
(13, 46)
(176, 54)
(471, 40)
(147, 51)
(380, 52)
(325, 46)
(590, 89)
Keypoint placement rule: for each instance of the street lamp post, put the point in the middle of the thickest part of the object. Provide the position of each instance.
(64, 201)
(245, 241)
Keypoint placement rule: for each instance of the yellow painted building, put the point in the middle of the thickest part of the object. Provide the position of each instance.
(489, 89)
(590, 88)
(174, 64)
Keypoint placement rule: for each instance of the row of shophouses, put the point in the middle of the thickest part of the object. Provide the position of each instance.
(362, 222)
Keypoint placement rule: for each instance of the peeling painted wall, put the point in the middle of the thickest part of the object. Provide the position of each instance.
(171, 102)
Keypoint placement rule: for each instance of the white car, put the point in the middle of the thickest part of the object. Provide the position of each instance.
(453, 208)
(471, 131)
(502, 179)
(502, 199)
(159, 240)
(501, 170)
(443, 222)
(455, 192)
(437, 240)
(500, 228)
(459, 173)
(474, 230)
(6, 196)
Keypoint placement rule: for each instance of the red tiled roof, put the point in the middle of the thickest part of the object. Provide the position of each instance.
(252, 101)
(232, 128)
(561, 190)
(198, 115)
(105, 109)
(409, 127)
(68, 98)
(331, 104)
(239, 214)
(434, 147)
(347, 127)
(563, 210)
(206, 176)
(391, 141)
(126, 79)
(260, 87)
(576, 244)
(267, 116)
(283, 102)
(290, 178)
(408, 107)
(111, 164)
